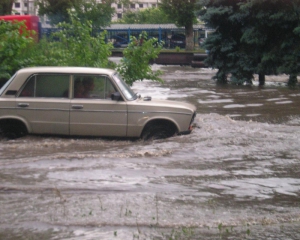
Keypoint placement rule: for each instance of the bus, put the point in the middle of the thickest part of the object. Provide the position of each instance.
(32, 23)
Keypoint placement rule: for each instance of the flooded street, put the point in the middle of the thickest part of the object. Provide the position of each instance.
(235, 177)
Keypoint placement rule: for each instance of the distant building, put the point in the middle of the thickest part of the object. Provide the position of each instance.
(133, 6)
(27, 7)
(24, 7)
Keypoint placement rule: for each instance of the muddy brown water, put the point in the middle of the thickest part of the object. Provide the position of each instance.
(235, 177)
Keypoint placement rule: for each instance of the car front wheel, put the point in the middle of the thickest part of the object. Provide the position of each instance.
(158, 131)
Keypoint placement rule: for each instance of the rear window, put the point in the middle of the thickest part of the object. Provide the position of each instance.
(47, 85)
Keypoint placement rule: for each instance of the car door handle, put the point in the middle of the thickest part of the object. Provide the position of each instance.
(23, 105)
(77, 106)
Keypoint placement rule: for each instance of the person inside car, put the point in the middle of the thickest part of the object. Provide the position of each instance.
(78, 89)
(88, 84)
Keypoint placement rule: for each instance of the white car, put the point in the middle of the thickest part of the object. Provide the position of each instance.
(80, 101)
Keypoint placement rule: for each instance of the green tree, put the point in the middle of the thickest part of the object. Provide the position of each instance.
(253, 36)
(99, 13)
(224, 43)
(183, 15)
(56, 10)
(271, 38)
(80, 47)
(135, 64)
(6, 7)
(12, 44)
(146, 16)
(74, 45)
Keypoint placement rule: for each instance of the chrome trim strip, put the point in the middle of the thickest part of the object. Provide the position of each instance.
(146, 112)
(103, 111)
(90, 110)
(34, 109)
(65, 110)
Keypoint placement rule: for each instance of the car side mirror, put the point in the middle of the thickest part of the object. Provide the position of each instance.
(116, 96)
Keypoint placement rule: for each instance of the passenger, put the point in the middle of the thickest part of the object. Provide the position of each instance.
(78, 89)
(88, 84)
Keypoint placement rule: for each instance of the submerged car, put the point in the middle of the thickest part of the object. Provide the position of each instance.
(80, 101)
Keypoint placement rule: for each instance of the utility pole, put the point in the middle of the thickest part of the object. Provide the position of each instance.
(26, 7)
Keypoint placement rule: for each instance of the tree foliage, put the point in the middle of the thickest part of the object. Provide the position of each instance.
(253, 36)
(183, 15)
(73, 45)
(6, 7)
(146, 16)
(135, 63)
(12, 44)
(99, 13)
(56, 10)
(84, 49)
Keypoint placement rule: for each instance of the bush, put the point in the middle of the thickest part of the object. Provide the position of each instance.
(137, 56)
(79, 47)
(73, 45)
(12, 44)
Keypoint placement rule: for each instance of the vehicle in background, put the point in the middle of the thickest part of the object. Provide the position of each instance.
(178, 40)
(120, 41)
(32, 23)
(81, 101)
(201, 41)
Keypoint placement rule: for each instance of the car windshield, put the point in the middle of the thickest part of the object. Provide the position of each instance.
(126, 90)
(6, 84)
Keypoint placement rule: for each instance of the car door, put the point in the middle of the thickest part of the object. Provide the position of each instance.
(92, 111)
(44, 103)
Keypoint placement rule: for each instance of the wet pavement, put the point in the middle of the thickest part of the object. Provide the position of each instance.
(235, 177)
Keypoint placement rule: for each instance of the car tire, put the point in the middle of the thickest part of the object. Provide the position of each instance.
(158, 131)
(13, 130)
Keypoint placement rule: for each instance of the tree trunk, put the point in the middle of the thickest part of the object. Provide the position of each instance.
(292, 80)
(6, 7)
(221, 77)
(189, 35)
(261, 79)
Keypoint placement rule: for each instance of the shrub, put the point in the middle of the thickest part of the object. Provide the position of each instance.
(137, 56)
(73, 45)
(14, 38)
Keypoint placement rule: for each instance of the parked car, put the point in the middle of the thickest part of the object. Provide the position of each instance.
(79, 101)
(178, 40)
(120, 41)
(201, 41)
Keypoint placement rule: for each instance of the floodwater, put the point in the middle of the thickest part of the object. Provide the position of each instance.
(235, 177)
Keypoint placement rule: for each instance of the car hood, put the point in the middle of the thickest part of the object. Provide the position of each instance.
(165, 104)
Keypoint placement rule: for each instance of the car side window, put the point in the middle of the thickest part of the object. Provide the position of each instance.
(98, 87)
(47, 85)
(28, 90)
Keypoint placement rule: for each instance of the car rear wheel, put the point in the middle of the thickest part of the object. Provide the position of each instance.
(155, 131)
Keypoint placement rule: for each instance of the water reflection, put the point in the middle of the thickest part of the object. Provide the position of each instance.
(274, 103)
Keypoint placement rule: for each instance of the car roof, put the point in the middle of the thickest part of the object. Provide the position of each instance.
(70, 70)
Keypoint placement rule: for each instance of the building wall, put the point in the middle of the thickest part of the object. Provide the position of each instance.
(24, 7)
(134, 6)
